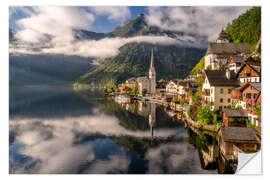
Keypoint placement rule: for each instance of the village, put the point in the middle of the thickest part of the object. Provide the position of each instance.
(224, 97)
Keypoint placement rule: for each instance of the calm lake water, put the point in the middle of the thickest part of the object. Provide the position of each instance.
(53, 129)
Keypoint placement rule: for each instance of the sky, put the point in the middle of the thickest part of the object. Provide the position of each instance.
(101, 24)
(49, 29)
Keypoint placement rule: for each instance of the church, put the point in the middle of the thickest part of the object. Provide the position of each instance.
(149, 82)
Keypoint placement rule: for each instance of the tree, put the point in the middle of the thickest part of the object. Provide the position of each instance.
(161, 80)
(204, 115)
(144, 91)
(175, 99)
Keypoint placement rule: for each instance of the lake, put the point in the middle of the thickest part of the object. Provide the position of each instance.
(53, 129)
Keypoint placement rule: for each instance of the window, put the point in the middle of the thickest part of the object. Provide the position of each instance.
(221, 100)
(229, 91)
(221, 91)
(248, 95)
(229, 100)
(211, 90)
(212, 99)
(254, 96)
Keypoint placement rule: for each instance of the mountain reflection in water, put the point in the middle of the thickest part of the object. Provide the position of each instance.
(56, 130)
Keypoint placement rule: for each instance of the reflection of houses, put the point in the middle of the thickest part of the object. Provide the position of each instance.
(216, 88)
(208, 158)
(234, 117)
(152, 118)
(143, 108)
(220, 51)
(243, 138)
(249, 72)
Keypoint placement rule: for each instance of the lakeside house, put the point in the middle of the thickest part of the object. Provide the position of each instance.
(172, 88)
(216, 88)
(186, 87)
(161, 87)
(234, 117)
(233, 139)
(220, 51)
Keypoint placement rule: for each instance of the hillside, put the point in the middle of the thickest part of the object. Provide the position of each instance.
(134, 60)
(246, 28)
(46, 69)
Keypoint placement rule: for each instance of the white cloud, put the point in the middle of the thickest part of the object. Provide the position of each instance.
(56, 22)
(103, 48)
(199, 20)
(116, 13)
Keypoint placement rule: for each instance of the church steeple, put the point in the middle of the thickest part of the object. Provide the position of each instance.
(152, 75)
(152, 59)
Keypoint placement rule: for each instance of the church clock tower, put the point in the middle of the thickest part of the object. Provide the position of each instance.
(152, 76)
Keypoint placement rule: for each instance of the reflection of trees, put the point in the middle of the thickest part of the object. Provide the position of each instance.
(209, 154)
(132, 119)
(137, 145)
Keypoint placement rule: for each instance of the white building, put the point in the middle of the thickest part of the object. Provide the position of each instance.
(220, 51)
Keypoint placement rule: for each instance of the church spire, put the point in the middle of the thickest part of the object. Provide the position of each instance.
(152, 59)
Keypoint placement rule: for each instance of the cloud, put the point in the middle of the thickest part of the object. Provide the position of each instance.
(200, 20)
(177, 158)
(54, 22)
(49, 144)
(103, 48)
(114, 164)
(116, 13)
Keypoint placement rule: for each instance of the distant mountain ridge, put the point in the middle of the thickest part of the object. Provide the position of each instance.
(171, 61)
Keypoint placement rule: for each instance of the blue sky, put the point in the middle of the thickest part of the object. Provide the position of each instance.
(101, 23)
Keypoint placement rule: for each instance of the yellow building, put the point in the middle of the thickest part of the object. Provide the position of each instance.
(217, 87)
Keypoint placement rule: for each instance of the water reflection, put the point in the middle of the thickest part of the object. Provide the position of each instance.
(87, 133)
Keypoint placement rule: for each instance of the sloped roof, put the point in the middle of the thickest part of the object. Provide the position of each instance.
(235, 112)
(218, 78)
(249, 64)
(228, 48)
(143, 78)
(256, 85)
(238, 59)
(131, 80)
(239, 134)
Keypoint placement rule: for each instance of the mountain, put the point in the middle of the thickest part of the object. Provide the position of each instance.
(136, 27)
(46, 69)
(133, 60)
(246, 28)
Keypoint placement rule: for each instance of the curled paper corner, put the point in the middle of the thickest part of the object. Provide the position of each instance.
(249, 163)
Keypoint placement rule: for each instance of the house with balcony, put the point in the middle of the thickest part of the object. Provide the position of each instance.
(171, 88)
(216, 88)
(249, 72)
